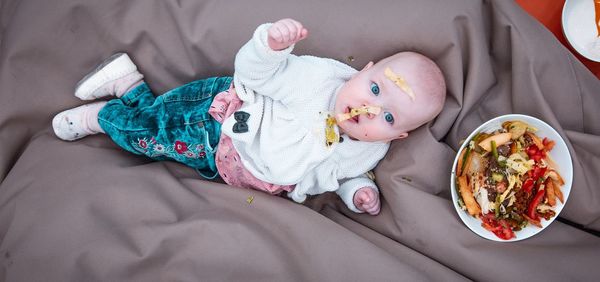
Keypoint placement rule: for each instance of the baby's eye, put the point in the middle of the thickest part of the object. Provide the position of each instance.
(389, 118)
(375, 88)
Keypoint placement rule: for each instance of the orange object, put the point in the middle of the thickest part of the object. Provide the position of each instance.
(597, 9)
(549, 14)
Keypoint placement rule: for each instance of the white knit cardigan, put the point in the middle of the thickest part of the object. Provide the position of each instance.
(288, 98)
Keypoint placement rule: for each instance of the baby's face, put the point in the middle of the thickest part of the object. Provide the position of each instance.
(374, 86)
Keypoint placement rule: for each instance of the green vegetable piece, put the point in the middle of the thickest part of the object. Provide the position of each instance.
(498, 177)
(494, 150)
(497, 206)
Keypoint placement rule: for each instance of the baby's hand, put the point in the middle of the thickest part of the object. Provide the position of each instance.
(284, 33)
(367, 199)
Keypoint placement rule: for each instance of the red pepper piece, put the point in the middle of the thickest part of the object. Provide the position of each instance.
(532, 208)
(538, 172)
(527, 185)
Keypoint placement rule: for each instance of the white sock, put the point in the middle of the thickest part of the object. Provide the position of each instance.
(128, 83)
(90, 119)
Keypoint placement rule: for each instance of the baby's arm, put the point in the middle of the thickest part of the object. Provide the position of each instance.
(265, 64)
(360, 194)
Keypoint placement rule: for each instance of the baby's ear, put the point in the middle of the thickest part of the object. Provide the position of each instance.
(368, 66)
(402, 135)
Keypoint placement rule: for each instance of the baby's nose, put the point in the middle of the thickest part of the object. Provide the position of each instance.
(371, 111)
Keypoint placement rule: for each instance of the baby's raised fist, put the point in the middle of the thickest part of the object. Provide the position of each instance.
(367, 199)
(284, 33)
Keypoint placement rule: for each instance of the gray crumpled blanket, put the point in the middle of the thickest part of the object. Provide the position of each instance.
(88, 211)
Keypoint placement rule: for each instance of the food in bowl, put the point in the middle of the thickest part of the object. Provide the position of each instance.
(508, 180)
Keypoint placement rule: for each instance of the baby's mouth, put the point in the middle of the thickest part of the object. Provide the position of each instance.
(354, 118)
(354, 113)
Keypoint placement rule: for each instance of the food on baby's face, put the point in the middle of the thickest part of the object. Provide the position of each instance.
(507, 179)
(400, 82)
(331, 136)
(359, 111)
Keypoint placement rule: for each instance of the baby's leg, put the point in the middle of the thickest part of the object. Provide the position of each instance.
(82, 121)
(113, 77)
(174, 126)
(78, 122)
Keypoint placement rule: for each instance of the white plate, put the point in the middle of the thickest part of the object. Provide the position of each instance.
(560, 154)
(578, 24)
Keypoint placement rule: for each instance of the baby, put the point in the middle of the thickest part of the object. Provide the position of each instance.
(300, 124)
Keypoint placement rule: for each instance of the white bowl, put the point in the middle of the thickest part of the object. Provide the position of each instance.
(578, 24)
(560, 154)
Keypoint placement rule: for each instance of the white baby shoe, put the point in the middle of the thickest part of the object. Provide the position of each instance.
(78, 122)
(114, 76)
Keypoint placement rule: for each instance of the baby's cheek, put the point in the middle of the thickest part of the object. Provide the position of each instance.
(368, 130)
(372, 132)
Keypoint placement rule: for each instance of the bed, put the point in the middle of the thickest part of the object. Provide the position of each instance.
(89, 211)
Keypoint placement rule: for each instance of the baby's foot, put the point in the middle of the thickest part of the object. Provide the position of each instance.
(78, 122)
(115, 76)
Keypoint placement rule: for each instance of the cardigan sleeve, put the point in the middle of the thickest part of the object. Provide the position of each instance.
(280, 75)
(258, 68)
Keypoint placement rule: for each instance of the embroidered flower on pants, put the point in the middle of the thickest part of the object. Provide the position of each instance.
(143, 143)
(159, 148)
(180, 147)
(178, 151)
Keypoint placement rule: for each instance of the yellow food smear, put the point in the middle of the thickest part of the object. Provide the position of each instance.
(330, 135)
(400, 82)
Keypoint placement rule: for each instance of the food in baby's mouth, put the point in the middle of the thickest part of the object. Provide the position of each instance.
(359, 111)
